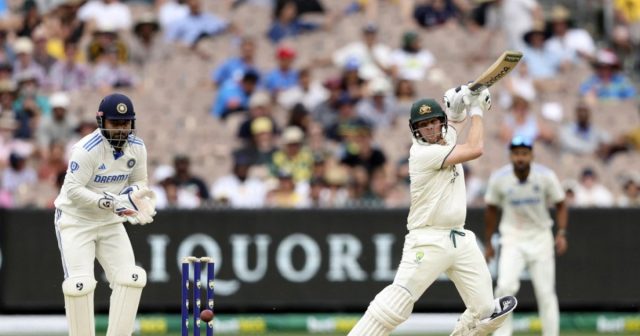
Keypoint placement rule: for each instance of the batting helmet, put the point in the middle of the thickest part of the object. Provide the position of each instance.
(425, 109)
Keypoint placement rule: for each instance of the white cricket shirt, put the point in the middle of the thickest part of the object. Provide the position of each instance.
(438, 194)
(93, 169)
(524, 204)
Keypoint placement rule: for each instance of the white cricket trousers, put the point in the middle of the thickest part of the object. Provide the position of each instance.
(536, 254)
(428, 252)
(81, 243)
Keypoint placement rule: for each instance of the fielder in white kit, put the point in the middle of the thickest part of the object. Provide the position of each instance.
(524, 190)
(437, 241)
(105, 185)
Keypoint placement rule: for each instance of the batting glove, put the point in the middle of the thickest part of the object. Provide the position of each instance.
(456, 101)
(481, 101)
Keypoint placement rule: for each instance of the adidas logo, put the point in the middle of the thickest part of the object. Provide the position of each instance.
(102, 167)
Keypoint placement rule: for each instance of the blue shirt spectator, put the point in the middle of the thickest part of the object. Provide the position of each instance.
(608, 83)
(542, 62)
(234, 68)
(234, 96)
(287, 23)
(283, 77)
(196, 25)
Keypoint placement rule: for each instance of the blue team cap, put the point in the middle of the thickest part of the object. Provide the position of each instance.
(116, 106)
(521, 141)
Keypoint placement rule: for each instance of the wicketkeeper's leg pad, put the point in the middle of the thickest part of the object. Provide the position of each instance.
(127, 289)
(392, 306)
(78, 302)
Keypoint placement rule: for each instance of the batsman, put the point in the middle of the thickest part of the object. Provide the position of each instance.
(105, 185)
(437, 241)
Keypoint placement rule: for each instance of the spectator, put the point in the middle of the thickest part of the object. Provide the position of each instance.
(31, 18)
(165, 187)
(288, 24)
(411, 62)
(519, 82)
(57, 128)
(372, 57)
(146, 46)
(238, 189)
(187, 182)
(299, 117)
(326, 112)
(307, 92)
(285, 194)
(581, 137)
(259, 106)
(262, 147)
(85, 127)
(8, 144)
(379, 110)
(68, 74)
(24, 63)
(358, 149)
(569, 187)
(351, 83)
(54, 163)
(294, 157)
(18, 175)
(108, 74)
(234, 68)
(284, 77)
(515, 18)
(105, 38)
(630, 197)
(189, 30)
(433, 13)
(591, 193)
(543, 64)
(607, 82)
(573, 44)
(171, 11)
(7, 55)
(405, 95)
(101, 13)
(8, 93)
(523, 123)
(41, 54)
(343, 120)
(234, 96)
(30, 105)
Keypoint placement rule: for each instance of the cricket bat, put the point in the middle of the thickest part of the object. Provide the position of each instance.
(500, 68)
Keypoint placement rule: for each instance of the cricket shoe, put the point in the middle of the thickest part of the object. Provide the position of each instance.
(504, 305)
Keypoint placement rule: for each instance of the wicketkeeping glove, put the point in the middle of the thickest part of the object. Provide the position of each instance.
(137, 207)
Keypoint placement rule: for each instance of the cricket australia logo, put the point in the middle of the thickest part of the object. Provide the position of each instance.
(424, 109)
(454, 174)
(419, 257)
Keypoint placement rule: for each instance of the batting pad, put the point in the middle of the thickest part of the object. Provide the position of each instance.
(392, 306)
(127, 289)
(78, 302)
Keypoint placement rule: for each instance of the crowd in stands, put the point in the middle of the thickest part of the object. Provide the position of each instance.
(308, 115)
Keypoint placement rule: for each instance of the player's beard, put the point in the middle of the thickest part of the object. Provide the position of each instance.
(118, 137)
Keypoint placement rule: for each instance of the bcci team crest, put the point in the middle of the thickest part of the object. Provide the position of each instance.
(131, 163)
(121, 108)
(424, 109)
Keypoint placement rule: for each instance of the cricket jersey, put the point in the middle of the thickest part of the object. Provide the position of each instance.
(95, 168)
(524, 204)
(438, 194)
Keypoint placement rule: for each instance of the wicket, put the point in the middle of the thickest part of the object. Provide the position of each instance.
(197, 292)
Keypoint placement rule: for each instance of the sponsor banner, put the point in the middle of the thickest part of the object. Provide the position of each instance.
(292, 261)
(423, 324)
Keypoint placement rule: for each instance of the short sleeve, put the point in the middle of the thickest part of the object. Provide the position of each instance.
(555, 193)
(429, 157)
(492, 195)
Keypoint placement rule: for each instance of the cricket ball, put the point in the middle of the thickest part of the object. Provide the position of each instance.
(206, 315)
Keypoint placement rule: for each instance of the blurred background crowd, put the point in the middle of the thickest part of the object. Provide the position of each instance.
(305, 103)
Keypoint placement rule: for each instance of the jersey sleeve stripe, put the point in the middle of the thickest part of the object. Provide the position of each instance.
(94, 145)
(91, 141)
